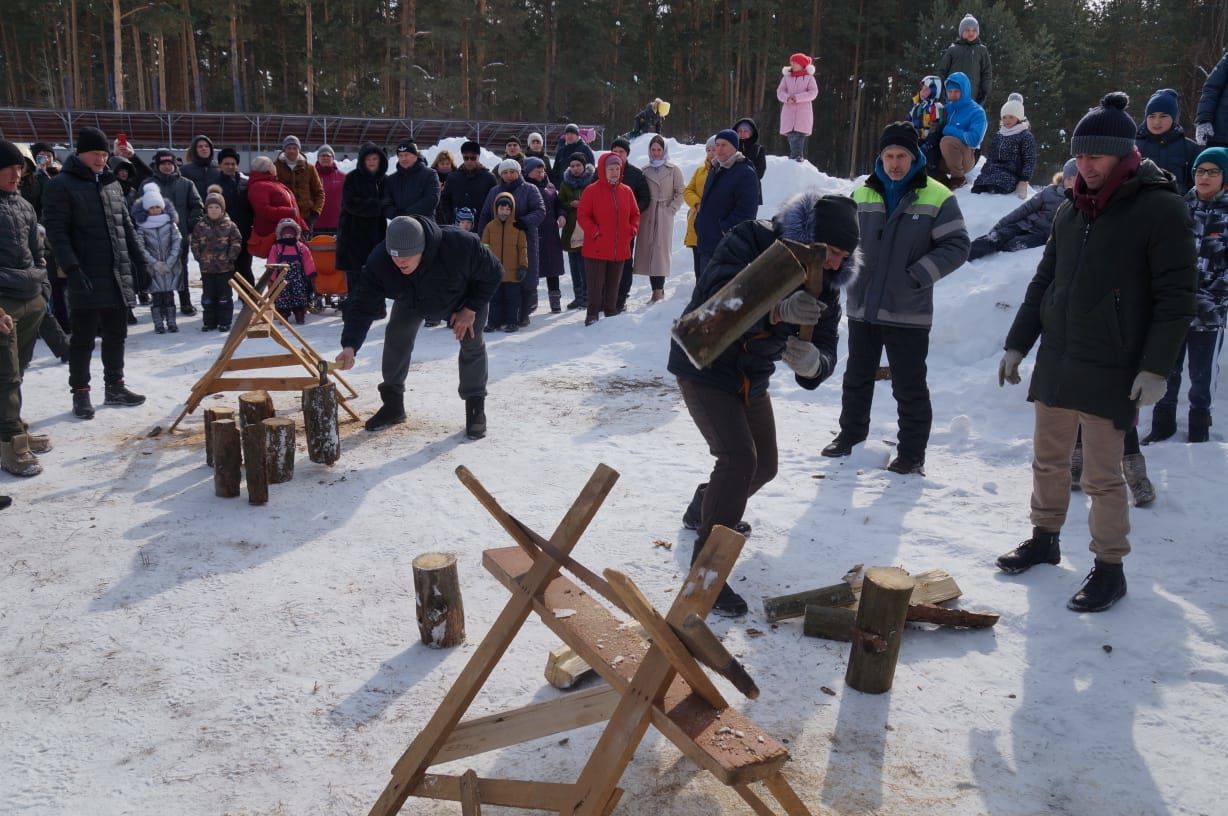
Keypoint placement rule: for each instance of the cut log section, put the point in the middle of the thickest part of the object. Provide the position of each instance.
(320, 423)
(279, 442)
(255, 463)
(565, 668)
(254, 407)
(929, 613)
(211, 414)
(880, 625)
(227, 458)
(930, 587)
(829, 623)
(441, 614)
(794, 606)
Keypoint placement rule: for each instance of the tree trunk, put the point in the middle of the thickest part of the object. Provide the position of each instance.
(255, 458)
(254, 407)
(816, 29)
(441, 614)
(161, 99)
(280, 445)
(117, 52)
(550, 35)
(320, 423)
(885, 593)
(222, 412)
(189, 37)
(75, 55)
(139, 73)
(236, 82)
(227, 458)
(311, 70)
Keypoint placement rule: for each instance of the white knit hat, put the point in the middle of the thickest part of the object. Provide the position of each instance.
(536, 137)
(151, 197)
(1014, 107)
(509, 164)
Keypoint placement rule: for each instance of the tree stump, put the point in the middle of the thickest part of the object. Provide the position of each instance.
(279, 445)
(255, 460)
(211, 414)
(441, 615)
(255, 406)
(794, 606)
(227, 458)
(885, 593)
(320, 423)
(829, 623)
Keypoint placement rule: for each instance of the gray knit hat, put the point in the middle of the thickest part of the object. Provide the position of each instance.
(1070, 169)
(405, 237)
(326, 149)
(291, 140)
(969, 22)
(1106, 130)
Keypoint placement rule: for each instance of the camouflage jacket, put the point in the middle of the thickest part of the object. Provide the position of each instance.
(216, 245)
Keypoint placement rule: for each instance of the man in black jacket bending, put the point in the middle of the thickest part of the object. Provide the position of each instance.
(729, 399)
(430, 273)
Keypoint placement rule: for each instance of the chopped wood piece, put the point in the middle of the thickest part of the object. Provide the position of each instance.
(929, 613)
(880, 624)
(256, 464)
(934, 586)
(441, 614)
(320, 423)
(794, 606)
(565, 668)
(255, 406)
(211, 414)
(279, 446)
(829, 623)
(227, 458)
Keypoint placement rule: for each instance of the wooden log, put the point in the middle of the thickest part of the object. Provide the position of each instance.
(565, 668)
(227, 458)
(934, 586)
(320, 423)
(256, 463)
(829, 623)
(211, 414)
(880, 624)
(255, 406)
(794, 606)
(470, 796)
(441, 614)
(279, 442)
(929, 613)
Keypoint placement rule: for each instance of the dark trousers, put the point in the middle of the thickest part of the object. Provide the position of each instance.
(112, 323)
(51, 333)
(185, 294)
(658, 282)
(603, 279)
(506, 305)
(1203, 349)
(16, 347)
(59, 302)
(907, 350)
(702, 260)
(624, 283)
(579, 278)
(552, 284)
(399, 336)
(216, 300)
(741, 435)
(243, 265)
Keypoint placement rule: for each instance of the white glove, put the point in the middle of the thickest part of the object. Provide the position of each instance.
(1021, 189)
(1008, 369)
(803, 357)
(801, 308)
(1203, 132)
(1148, 388)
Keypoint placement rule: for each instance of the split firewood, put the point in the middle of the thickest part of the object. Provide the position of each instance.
(783, 607)
(930, 587)
(929, 613)
(829, 623)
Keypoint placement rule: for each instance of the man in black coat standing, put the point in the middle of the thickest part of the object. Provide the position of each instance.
(633, 177)
(94, 242)
(430, 273)
(414, 188)
(467, 185)
(238, 208)
(203, 169)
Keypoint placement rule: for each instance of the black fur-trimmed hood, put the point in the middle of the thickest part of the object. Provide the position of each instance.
(796, 221)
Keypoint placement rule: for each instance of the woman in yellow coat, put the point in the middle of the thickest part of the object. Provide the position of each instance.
(693, 193)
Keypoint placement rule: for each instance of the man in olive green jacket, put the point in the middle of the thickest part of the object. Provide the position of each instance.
(1110, 303)
(969, 55)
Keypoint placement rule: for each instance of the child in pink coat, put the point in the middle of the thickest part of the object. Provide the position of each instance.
(300, 288)
(796, 91)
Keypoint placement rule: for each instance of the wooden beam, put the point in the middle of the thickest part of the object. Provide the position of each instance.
(784, 794)
(470, 794)
(756, 804)
(263, 361)
(708, 649)
(261, 384)
(513, 793)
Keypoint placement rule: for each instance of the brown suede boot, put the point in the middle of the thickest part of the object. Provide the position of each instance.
(16, 458)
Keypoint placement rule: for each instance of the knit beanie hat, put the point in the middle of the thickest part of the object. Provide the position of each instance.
(1070, 169)
(407, 146)
(536, 137)
(514, 140)
(731, 136)
(509, 164)
(465, 214)
(471, 147)
(710, 143)
(325, 149)
(227, 153)
(41, 147)
(621, 142)
(291, 140)
(900, 134)
(151, 197)
(613, 158)
(969, 22)
(214, 196)
(1163, 101)
(1014, 107)
(836, 222)
(532, 163)
(91, 138)
(1106, 130)
(163, 153)
(801, 59)
(10, 154)
(1217, 156)
(572, 127)
(405, 237)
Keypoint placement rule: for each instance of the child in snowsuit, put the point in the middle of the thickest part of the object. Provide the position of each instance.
(1029, 224)
(158, 236)
(512, 249)
(216, 243)
(926, 106)
(1011, 156)
(291, 250)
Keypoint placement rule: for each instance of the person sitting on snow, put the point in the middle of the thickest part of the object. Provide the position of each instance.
(1027, 225)
(1011, 156)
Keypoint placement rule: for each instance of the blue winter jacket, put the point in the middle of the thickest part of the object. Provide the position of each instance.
(965, 119)
(730, 197)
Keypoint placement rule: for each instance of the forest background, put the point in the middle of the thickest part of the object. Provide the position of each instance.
(600, 61)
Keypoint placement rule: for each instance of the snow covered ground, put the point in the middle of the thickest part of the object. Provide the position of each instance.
(166, 651)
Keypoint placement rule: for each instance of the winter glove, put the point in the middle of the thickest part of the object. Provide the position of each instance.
(1008, 369)
(1148, 388)
(801, 308)
(161, 268)
(522, 272)
(1021, 189)
(803, 357)
(1203, 132)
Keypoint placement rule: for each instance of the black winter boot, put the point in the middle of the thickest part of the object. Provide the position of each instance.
(1104, 586)
(118, 394)
(391, 412)
(1163, 424)
(841, 446)
(691, 517)
(475, 417)
(729, 604)
(1200, 426)
(1041, 548)
(82, 408)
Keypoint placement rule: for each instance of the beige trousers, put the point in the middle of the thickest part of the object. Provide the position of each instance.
(957, 158)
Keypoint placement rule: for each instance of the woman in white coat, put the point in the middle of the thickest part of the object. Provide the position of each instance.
(797, 91)
(654, 243)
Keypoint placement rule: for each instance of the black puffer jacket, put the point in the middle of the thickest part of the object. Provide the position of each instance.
(465, 189)
(411, 192)
(633, 177)
(747, 365)
(753, 151)
(361, 225)
(238, 208)
(457, 271)
(23, 273)
(1112, 296)
(201, 172)
(92, 236)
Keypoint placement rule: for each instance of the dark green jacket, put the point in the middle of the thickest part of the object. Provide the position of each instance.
(973, 59)
(1112, 296)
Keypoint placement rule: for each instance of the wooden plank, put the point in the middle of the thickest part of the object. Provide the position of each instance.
(663, 637)
(630, 719)
(261, 383)
(934, 586)
(261, 361)
(784, 794)
(615, 651)
(756, 804)
(529, 722)
(411, 767)
(513, 793)
(470, 797)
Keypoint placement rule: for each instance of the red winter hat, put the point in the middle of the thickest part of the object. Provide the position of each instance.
(801, 59)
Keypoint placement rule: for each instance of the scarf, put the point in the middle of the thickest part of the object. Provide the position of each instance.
(1015, 129)
(725, 165)
(893, 191)
(1092, 203)
(657, 162)
(154, 221)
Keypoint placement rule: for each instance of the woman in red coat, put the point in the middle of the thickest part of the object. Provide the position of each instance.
(609, 218)
(271, 202)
